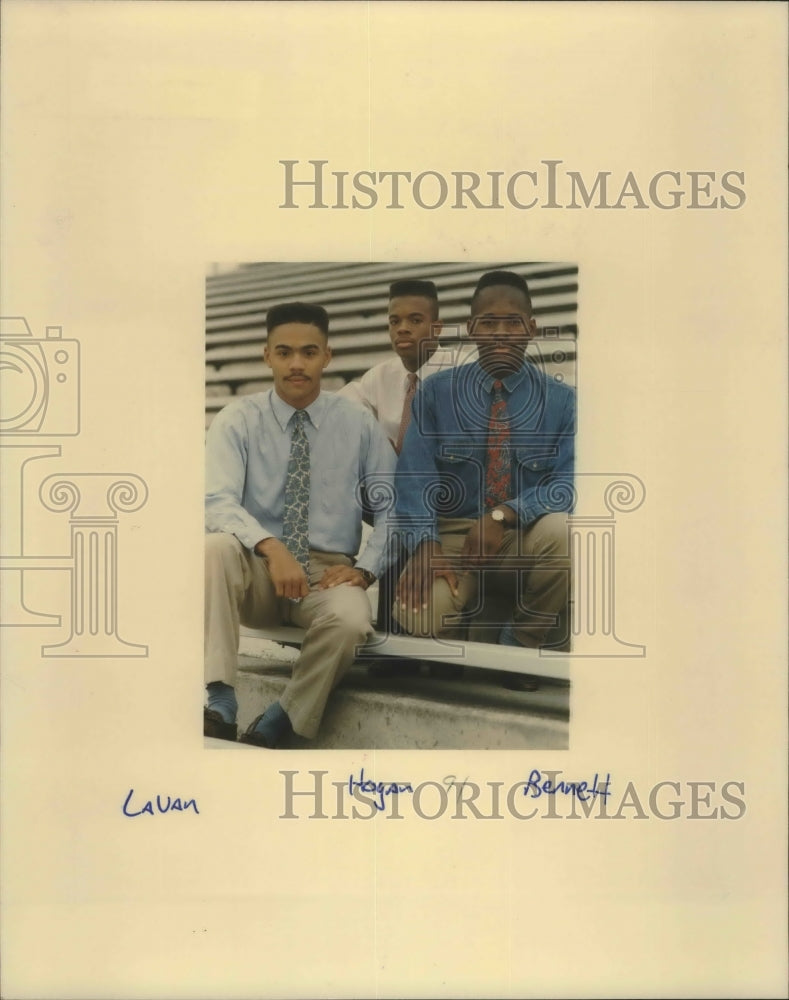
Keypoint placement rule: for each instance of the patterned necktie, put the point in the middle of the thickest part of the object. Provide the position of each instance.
(405, 420)
(497, 466)
(295, 520)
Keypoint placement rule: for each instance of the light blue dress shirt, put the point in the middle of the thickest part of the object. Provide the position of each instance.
(247, 452)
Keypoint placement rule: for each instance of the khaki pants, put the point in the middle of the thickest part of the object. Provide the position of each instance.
(529, 586)
(238, 590)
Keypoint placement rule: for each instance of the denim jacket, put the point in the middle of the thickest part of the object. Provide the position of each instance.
(441, 470)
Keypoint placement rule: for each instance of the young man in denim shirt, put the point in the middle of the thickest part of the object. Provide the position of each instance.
(484, 482)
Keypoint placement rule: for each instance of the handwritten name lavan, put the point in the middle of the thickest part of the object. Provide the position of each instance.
(164, 804)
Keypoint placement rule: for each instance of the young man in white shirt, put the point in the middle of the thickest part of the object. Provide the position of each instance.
(414, 328)
(387, 391)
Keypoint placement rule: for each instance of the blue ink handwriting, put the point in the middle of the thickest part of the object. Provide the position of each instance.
(162, 806)
(582, 789)
(379, 788)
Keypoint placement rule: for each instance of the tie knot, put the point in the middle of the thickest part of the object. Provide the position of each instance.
(412, 379)
(498, 385)
(299, 417)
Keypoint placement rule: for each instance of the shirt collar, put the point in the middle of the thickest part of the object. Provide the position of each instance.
(428, 368)
(283, 411)
(421, 373)
(510, 383)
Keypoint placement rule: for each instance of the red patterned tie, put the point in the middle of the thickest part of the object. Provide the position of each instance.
(497, 467)
(405, 420)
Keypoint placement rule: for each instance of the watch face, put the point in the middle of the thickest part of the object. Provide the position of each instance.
(497, 515)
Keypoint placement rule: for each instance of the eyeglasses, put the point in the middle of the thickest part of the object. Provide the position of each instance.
(511, 323)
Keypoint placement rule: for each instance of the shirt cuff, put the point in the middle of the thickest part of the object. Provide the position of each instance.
(249, 538)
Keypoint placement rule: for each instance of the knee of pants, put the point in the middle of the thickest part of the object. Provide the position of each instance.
(419, 624)
(439, 617)
(349, 615)
(222, 552)
(549, 534)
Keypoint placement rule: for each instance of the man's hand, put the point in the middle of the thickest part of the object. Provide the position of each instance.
(335, 575)
(426, 565)
(286, 572)
(486, 537)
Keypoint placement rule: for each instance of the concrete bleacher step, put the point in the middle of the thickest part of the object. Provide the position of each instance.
(245, 343)
(373, 308)
(417, 713)
(327, 278)
(251, 349)
(374, 298)
(342, 345)
(233, 373)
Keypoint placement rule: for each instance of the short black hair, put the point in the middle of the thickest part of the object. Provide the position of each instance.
(297, 312)
(497, 278)
(415, 286)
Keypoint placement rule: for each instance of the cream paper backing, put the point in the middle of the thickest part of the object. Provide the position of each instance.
(140, 142)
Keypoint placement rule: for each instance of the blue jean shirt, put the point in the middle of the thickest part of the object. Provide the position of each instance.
(441, 470)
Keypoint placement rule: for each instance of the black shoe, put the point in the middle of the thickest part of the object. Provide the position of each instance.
(253, 738)
(256, 739)
(215, 727)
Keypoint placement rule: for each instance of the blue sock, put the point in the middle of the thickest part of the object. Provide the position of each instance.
(274, 724)
(507, 635)
(222, 698)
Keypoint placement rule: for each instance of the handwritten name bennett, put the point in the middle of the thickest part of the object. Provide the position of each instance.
(538, 785)
(164, 804)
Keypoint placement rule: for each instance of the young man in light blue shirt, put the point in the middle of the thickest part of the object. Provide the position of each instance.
(284, 523)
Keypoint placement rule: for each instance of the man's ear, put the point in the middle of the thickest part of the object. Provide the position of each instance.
(326, 356)
(266, 356)
(435, 329)
(531, 328)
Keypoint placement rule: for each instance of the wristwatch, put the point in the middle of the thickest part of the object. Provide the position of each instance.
(498, 515)
(367, 576)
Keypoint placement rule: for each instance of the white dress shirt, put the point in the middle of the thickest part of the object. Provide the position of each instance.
(382, 389)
